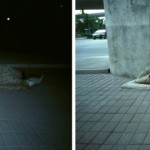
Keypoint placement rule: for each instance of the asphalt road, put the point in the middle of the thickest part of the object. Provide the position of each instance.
(91, 54)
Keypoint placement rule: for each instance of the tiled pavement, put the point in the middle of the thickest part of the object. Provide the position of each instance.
(38, 118)
(109, 117)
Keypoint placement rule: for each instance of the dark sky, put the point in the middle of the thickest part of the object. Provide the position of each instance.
(35, 25)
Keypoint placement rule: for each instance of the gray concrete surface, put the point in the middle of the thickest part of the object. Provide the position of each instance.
(109, 117)
(38, 118)
(128, 26)
(91, 55)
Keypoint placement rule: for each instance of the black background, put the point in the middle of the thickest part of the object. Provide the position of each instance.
(41, 27)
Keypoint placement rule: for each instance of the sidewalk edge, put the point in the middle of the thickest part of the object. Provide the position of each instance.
(92, 71)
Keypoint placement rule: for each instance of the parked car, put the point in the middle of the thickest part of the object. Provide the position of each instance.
(100, 34)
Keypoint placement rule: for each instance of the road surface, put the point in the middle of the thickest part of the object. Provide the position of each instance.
(91, 54)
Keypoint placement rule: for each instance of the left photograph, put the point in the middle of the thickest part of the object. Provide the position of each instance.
(35, 75)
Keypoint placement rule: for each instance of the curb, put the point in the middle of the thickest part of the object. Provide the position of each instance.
(92, 71)
(80, 38)
(44, 66)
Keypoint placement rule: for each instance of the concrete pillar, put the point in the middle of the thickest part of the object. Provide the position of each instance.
(128, 31)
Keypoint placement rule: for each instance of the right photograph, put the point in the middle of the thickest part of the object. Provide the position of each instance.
(112, 68)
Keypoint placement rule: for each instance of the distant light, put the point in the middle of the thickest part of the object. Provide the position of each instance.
(61, 6)
(8, 19)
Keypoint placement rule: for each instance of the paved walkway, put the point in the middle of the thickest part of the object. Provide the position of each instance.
(109, 117)
(38, 118)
